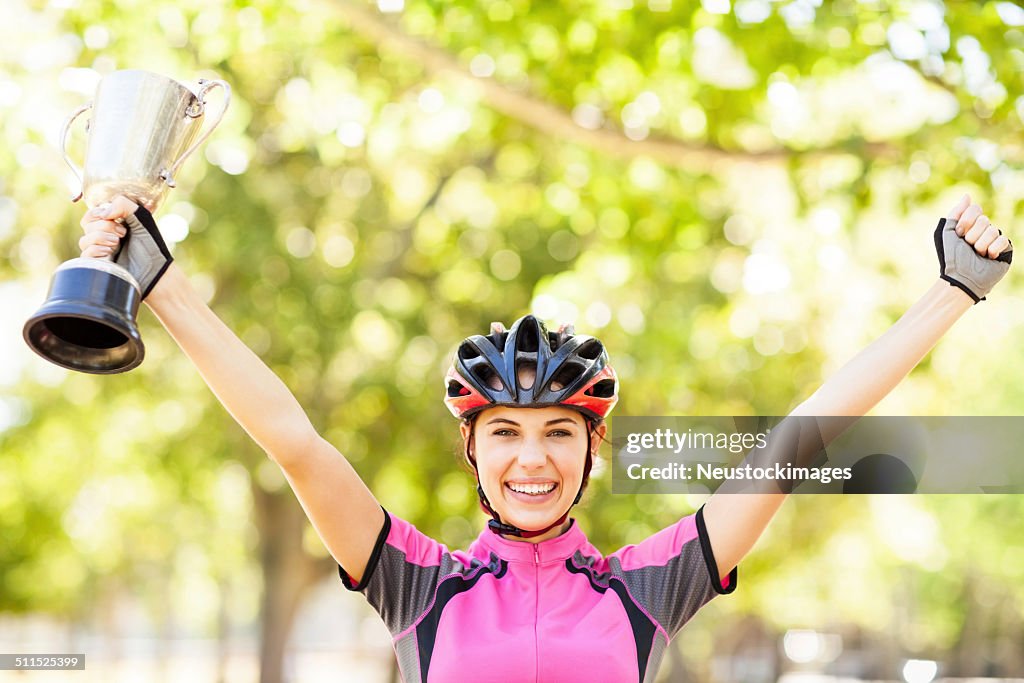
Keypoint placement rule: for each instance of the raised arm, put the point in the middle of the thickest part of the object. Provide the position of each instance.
(735, 521)
(342, 509)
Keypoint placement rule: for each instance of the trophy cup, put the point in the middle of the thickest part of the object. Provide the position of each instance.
(143, 127)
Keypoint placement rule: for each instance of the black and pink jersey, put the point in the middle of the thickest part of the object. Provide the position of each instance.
(555, 611)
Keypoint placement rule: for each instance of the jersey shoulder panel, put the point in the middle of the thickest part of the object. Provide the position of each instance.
(404, 571)
(672, 573)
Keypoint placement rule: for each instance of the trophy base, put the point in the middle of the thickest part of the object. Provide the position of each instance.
(88, 320)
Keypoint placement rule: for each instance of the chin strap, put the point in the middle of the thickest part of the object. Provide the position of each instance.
(500, 527)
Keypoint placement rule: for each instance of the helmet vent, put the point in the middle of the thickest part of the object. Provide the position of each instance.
(603, 389)
(527, 375)
(468, 351)
(487, 376)
(456, 389)
(590, 350)
(567, 374)
(528, 340)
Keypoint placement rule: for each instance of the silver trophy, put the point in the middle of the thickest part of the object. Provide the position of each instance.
(142, 128)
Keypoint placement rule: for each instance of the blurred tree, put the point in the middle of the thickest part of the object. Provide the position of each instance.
(735, 196)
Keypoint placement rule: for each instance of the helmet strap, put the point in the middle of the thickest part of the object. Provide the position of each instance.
(499, 527)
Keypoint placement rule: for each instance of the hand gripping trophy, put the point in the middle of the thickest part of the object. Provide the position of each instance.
(143, 127)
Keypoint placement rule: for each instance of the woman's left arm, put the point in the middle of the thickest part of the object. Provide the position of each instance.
(735, 521)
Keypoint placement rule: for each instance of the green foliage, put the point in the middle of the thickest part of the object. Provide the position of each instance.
(360, 211)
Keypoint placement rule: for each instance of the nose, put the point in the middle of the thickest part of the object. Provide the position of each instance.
(532, 454)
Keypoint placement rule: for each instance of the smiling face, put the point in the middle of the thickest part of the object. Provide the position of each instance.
(530, 462)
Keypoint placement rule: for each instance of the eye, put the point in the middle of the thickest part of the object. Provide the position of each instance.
(560, 433)
(503, 432)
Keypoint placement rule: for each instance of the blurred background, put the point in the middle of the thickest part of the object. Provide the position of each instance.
(735, 196)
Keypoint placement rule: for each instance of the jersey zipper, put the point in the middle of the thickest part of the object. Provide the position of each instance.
(536, 611)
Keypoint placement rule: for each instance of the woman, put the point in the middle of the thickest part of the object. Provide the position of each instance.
(531, 599)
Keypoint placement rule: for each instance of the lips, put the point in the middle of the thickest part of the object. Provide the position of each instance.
(531, 498)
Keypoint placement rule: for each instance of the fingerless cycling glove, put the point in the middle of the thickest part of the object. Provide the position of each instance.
(961, 266)
(143, 252)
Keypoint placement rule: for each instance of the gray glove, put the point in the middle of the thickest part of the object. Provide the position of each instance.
(961, 266)
(143, 252)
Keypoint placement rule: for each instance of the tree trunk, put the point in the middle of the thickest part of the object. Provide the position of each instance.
(223, 630)
(164, 618)
(287, 573)
(966, 654)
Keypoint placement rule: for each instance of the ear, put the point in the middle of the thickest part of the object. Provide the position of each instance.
(599, 432)
(467, 435)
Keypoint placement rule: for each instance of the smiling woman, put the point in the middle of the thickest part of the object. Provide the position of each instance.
(531, 463)
(532, 405)
(531, 599)
(496, 378)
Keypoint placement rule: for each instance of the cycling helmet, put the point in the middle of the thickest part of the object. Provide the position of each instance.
(569, 370)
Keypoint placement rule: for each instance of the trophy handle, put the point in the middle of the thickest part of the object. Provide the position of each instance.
(64, 152)
(195, 111)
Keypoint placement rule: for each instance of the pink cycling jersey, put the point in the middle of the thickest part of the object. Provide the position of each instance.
(555, 611)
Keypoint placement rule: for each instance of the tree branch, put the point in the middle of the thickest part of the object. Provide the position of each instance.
(557, 123)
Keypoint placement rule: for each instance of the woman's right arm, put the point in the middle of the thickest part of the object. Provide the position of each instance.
(343, 511)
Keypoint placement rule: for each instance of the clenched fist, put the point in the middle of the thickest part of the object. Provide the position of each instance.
(126, 233)
(973, 254)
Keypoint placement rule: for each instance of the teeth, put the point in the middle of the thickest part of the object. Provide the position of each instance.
(532, 489)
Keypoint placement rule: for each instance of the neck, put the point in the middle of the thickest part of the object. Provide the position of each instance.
(550, 533)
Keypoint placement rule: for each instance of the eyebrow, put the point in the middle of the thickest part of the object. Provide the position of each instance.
(549, 422)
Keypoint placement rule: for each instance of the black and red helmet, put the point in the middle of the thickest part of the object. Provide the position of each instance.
(570, 370)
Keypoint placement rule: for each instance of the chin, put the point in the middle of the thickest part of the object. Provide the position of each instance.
(535, 519)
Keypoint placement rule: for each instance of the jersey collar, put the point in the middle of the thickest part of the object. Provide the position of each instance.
(553, 549)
